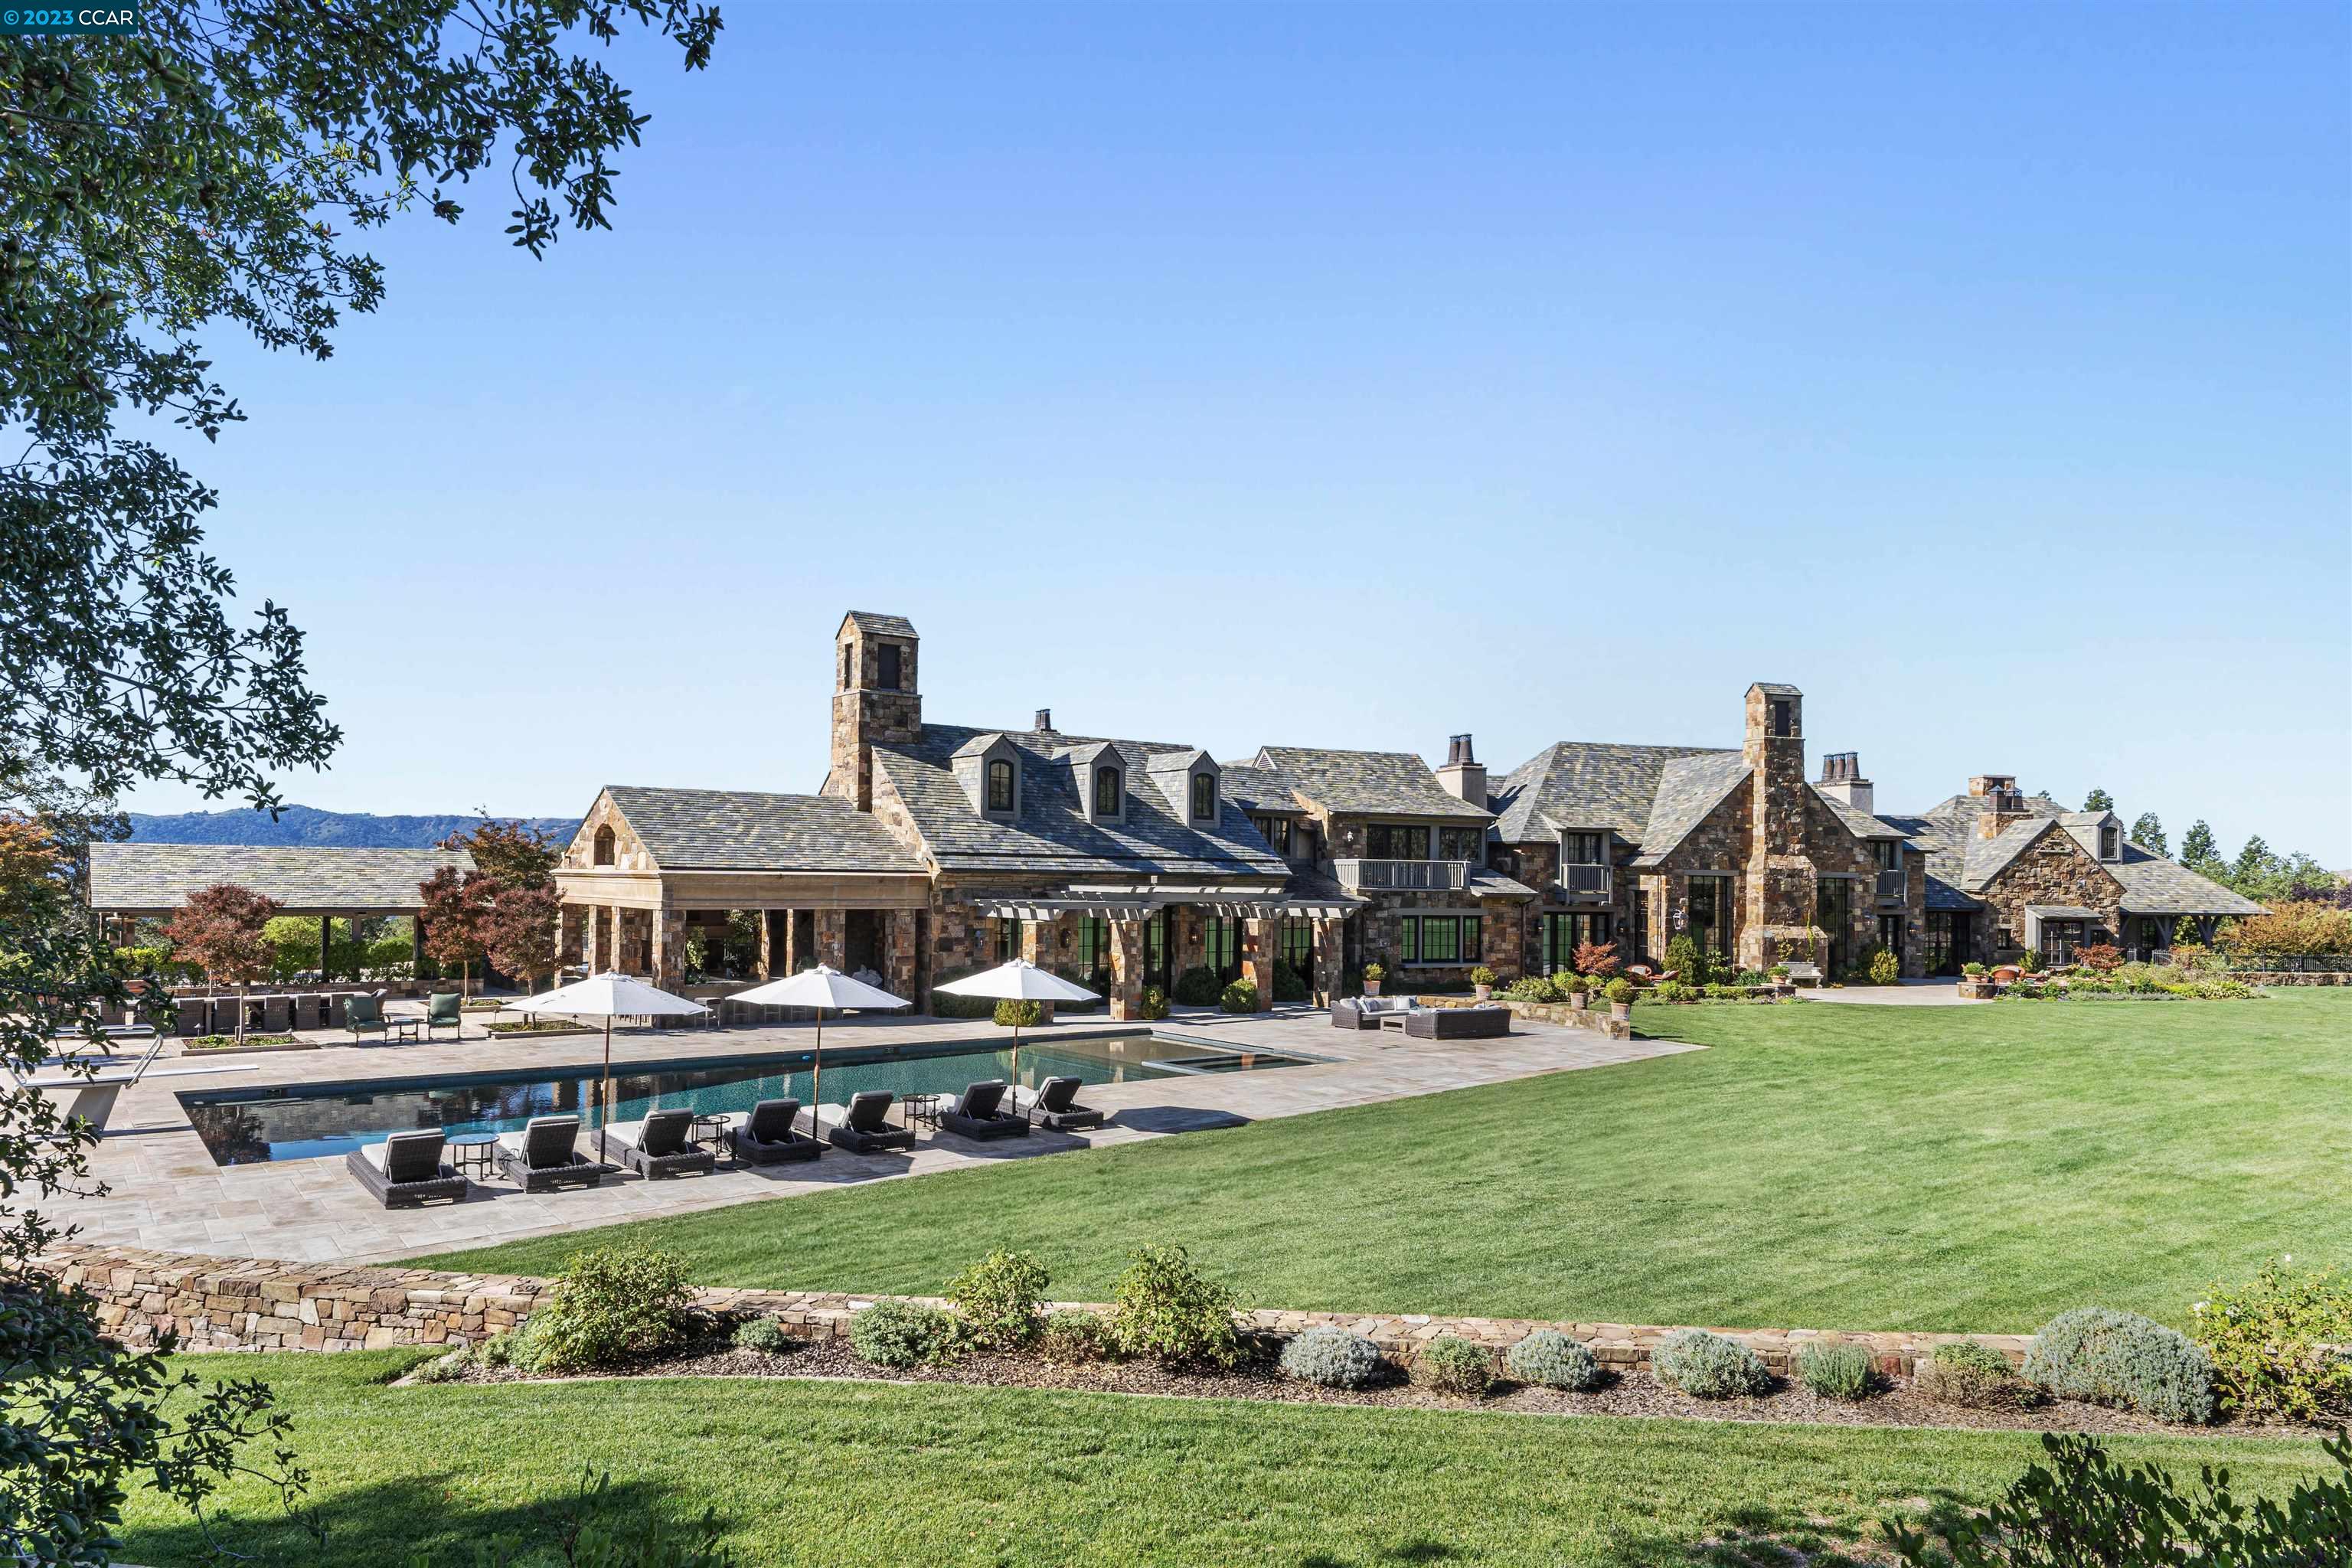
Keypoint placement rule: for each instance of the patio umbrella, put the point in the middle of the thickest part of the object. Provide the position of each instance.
(608, 996)
(1019, 981)
(821, 987)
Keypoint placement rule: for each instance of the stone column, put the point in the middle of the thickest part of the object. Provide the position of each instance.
(1330, 956)
(1038, 946)
(668, 930)
(762, 966)
(791, 921)
(326, 948)
(832, 937)
(899, 953)
(1261, 951)
(592, 948)
(1126, 970)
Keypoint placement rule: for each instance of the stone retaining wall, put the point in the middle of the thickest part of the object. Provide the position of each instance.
(252, 1304)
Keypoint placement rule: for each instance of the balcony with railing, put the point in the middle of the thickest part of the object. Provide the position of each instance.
(1584, 881)
(1890, 887)
(1402, 876)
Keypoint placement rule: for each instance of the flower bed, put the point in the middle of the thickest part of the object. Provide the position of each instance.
(539, 1026)
(228, 1046)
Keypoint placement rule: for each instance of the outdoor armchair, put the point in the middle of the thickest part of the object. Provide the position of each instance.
(363, 1015)
(444, 1010)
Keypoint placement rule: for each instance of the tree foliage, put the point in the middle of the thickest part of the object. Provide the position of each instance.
(2098, 800)
(518, 932)
(226, 930)
(2147, 832)
(515, 853)
(457, 916)
(2198, 850)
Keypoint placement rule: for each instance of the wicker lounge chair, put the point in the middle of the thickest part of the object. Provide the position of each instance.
(980, 1113)
(864, 1128)
(412, 1170)
(547, 1157)
(1365, 1012)
(363, 1015)
(1054, 1106)
(661, 1147)
(766, 1136)
(444, 1010)
(1458, 1023)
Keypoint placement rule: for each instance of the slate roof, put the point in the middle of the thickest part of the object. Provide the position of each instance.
(1052, 834)
(1859, 822)
(881, 626)
(337, 881)
(1585, 785)
(743, 830)
(1958, 861)
(1373, 782)
(1688, 789)
(1256, 788)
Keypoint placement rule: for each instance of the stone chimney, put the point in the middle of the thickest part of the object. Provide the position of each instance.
(1464, 777)
(1991, 783)
(1045, 721)
(874, 697)
(1842, 780)
(2004, 804)
(1777, 906)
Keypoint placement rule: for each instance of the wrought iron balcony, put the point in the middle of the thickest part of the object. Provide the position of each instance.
(1584, 881)
(1406, 876)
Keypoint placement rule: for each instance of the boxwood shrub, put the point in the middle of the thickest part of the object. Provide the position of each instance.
(1331, 1358)
(1017, 1013)
(903, 1334)
(1154, 1004)
(1199, 986)
(1241, 996)
(1708, 1366)
(2121, 1359)
(1549, 1359)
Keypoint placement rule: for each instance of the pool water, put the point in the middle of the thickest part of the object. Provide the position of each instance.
(255, 1126)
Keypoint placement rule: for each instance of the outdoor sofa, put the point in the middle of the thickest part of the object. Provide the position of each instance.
(766, 1136)
(1365, 1012)
(407, 1168)
(980, 1113)
(1053, 1104)
(864, 1128)
(661, 1147)
(547, 1156)
(1458, 1023)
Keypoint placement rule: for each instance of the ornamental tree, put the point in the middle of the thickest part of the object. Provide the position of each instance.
(514, 854)
(456, 915)
(226, 930)
(518, 932)
(1597, 959)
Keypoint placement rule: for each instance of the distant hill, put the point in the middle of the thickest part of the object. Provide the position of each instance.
(304, 824)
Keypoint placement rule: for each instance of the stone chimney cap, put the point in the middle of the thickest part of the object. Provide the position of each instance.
(1458, 750)
(1044, 719)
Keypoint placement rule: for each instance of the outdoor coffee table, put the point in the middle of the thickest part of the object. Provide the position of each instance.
(408, 1029)
(922, 1110)
(474, 1153)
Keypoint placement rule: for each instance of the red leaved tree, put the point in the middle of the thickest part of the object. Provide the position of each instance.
(1598, 959)
(519, 932)
(456, 919)
(223, 929)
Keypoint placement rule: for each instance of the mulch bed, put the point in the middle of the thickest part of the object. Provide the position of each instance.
(1638, 1394)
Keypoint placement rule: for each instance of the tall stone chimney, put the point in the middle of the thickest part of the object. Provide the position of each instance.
(2003, 807)
(1044, 722)
(1464, 777)
(1842, 780)
(875, 699)
(1778, 905)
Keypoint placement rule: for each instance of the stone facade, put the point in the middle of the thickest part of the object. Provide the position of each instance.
(238, 1303)
(2053, 871)
(866, 707)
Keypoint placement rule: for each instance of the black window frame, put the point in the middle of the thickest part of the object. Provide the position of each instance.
(1204, 804)
(1001, 768)
(1109, 779)
(1276, 831)
(1008, 939)
(1717, 926)
(1583, 849)
(1380, 840)
(1461, 843)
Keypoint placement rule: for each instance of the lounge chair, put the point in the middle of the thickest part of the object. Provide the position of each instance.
(407, 1169)
(364, 1013)
(547, 1158)
(444, 1010)
(863, 1129)
(766, 1136)
(661, 1147)
(1054, 1106)
(980, 1114)
(1458, 1023)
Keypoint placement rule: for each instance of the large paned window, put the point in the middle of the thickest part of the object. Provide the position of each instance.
(1640, 940)
(1396, 841)
(1710, 914)
(1833, 912)
(1888, 852)
(1008, 941)
(1276, 831)
(1462, 843)
(1155, 950)
(1890, 933)
(1094, 954)
(1440, 939)
(1224, 946)
(2059, 939)
(1299, 948)
(1564, 933)
(1580, 848)
(1204, 797)
(1000, 784)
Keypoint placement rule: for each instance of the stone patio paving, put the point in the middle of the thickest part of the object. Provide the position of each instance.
(166, 1192)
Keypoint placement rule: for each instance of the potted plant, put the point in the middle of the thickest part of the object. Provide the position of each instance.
(1779, 975)
(1580, 992)
(1373, 975)
(1620, 999)
(1482, 981)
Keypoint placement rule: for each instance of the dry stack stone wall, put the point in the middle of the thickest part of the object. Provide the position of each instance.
(249, 1304)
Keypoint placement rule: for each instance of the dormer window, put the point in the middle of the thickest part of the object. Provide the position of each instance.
(1000, 784)
(885, 666)
(1109, 787)
(2110, 842)
(1204, 797)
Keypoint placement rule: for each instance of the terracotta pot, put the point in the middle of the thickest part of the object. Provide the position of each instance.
(1371, 987)
(1578, 999)
(1483, 993)
(1622, 1011)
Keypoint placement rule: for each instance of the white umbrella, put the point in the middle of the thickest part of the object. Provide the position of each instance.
(608, 996)
(1018, 981)
(821, 987)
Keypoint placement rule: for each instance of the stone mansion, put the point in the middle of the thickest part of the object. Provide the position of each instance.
(934, 849)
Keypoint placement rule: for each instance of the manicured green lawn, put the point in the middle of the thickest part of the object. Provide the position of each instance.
(837, 1473)
(1825, 1166)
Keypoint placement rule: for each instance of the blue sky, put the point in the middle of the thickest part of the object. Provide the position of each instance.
(1352, 376)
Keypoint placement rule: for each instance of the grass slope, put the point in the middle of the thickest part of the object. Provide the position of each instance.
(1825, 1166)
(800, 1471)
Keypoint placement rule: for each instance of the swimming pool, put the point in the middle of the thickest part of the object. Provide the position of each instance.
(255, 1126)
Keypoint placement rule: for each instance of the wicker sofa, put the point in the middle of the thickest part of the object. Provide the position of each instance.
(1458, 1023)
(1365, 1012)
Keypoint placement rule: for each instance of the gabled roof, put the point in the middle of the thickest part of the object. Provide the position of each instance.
(742, 830)
(1859, 822)
(1960, 863)
(1255, 788)
(1585, 785)
(880, 626)
(303, 877)
(1985, 858)
(1688, 789)
(1051, 834)
(1373, 782)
